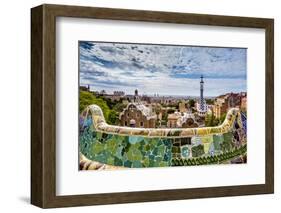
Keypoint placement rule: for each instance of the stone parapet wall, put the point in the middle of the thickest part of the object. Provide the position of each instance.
(149, 147)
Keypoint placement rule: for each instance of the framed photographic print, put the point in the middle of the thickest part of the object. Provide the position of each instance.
(136, 106)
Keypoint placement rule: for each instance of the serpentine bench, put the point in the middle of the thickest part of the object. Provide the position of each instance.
(117, 146)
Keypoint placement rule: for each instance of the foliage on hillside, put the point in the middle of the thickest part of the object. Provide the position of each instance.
(211, 120)
(88, 98)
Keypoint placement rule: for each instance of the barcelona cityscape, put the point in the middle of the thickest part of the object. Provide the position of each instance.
(147, 105)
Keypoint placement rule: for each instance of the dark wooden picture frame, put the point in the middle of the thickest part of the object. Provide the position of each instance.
(43, 105)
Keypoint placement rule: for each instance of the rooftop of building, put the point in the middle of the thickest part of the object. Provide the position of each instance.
(146, 111)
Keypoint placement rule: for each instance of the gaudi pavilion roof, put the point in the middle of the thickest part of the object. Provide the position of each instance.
(146, 111)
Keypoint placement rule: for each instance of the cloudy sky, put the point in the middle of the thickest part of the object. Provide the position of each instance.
(162, 69)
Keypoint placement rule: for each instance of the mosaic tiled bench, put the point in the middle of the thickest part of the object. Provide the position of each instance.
(116, 146)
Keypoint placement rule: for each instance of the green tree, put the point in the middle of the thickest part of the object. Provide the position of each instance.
(165, 117)
(222, 118)
(88, 98)
(85, 99)
(119, 107)
(191, 102)
(209, 101)
(112, 117)
(210, 120)
(170, 111)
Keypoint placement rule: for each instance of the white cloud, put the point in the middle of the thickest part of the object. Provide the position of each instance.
(169, 70)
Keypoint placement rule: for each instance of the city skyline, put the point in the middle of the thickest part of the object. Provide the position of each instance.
(155, 94)
(162, 69)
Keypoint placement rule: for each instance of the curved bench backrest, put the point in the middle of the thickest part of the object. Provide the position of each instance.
(99, 124)
(147, 147)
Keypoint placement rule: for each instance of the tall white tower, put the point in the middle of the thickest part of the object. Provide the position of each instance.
(202, 107)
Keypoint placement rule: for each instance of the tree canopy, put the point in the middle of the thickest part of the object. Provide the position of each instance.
(88, 98)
